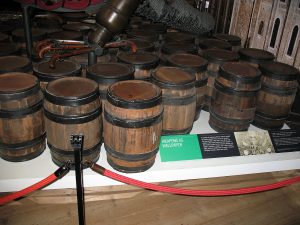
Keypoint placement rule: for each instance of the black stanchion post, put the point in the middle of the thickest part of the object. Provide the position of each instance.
(77, 144)
(27, 30)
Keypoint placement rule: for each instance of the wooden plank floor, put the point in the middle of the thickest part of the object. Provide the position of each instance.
(126, 205)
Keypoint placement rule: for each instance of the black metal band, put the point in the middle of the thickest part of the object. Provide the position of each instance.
(72, 119)
(19, 95)
(132, 123)
(130, 157)
(23, 145)
(125, 169)
(201, 83)
(229, 121)
(243, 80)
(72, 101)
(134, 104)
(179, 101)
(21, 112)
(24, 157)
(85, 152)
(277, 91)
(268, 116)
(171, 132)
(231, 91)
(182, 86)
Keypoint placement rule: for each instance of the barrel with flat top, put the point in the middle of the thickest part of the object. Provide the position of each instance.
(13, 63)
(132, 125)
(233, 102)
(255, 56)
(276, 97)
(22, 130)
(72, 106)
(179, 98)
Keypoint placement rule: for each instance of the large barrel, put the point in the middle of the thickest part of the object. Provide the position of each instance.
(106, 74)
(15, 63)
(255, 56)
(72, 106)
(132, 125)
(143, 62)
(62, 69)
(22, 130)
(198, 66)
(234, 98)
(277, 94)
(215, 57)
(179, 98)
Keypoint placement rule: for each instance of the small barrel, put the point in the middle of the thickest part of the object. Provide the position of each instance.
(62, 69)
(143, 63)
(234, 40)
(15, 64)
(207, 43)
(198, 66)
(179, 37)
(132, 125)
(106, 74)
(255, 56)
(179, 98)
(234, 98)
(22, 130)
(215, 57)
(72, 106)
(277, 94)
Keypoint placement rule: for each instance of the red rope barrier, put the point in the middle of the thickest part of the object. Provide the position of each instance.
(181, 191)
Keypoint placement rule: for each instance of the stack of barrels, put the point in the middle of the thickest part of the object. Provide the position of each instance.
(128, 100)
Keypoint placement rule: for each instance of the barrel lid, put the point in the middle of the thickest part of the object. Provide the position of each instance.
(7, 48)
(4, 37)
(279, 71)
(214, 43)
(240, 72)
(14, 63)
(140, 60)
(174, 47)
(77, 26)
(189, 61)
(168, 77)
(142, 44)
(72, 91)
(66, 35)
(37, 35)
(179, 36)
(144, 34)
(16, 82)
(110, 72)
(232, 39)
(220, 56)
(255, 55)
(62, 69)
(134, 94)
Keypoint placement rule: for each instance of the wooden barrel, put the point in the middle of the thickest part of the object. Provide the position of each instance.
(179, 37)
(15, 63)
(22, 130)
(234, 98)
(72, 106)
(143, 34)
(143, 63)
(179, 98)
(215, 57)
(106, 74)
(62, 69)
(234, 40)
(255, 56)
(208, 43)
(142, 45)
(198, 66)
(277, 94)
(132, 125)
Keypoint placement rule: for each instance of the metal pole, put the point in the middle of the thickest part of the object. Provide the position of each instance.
(77, 144)
(27, 30)
(92, 58)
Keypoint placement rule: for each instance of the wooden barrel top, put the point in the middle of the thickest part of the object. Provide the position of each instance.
(214, 43)
(188, 61)
(12, 63)
(16, 82)
(173, 47)
(143, 45)
(141, 60)
(173, 76)
(179, 36)
(70, 87)
(255, 54)
(240, 71)
(280, 71)
(37, 34)
(232, 39)
(220, 56)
